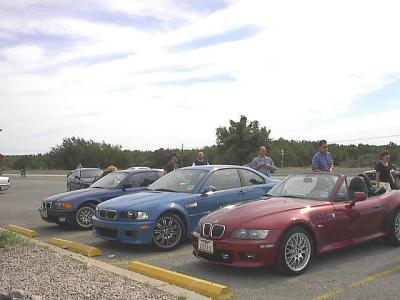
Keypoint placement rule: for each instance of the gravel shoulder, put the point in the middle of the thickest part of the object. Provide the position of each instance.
(42, 272)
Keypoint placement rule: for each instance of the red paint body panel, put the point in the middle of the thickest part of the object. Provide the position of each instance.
(333, 225)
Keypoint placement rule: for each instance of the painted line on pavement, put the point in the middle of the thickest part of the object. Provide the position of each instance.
(203, 287)
(359, 283)
(75, 247)
(21, 230)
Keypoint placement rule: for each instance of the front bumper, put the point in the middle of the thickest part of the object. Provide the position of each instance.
(59, 216)
(248, 254)
(4, 187)
(127, 232)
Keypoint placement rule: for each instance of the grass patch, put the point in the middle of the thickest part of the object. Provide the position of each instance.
(9, 239)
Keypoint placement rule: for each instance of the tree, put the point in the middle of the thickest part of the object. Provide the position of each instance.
(238, 143)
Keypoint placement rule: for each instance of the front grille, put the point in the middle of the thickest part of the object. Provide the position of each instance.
(206, 229)
(46, 204)
(107, 214)
(111, 214)
(107, 232)
(217, 231)
(102, 213)
(214, 231)
(221, 257)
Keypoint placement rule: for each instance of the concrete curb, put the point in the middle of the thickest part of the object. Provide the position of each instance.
(207, 288)
(169, 288)
(21, 230)
(75, 247)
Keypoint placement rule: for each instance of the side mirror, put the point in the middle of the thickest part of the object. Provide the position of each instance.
(209, 189)
(127, 186)
(357, 197)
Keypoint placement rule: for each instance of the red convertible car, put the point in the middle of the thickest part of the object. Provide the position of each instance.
(303, 216)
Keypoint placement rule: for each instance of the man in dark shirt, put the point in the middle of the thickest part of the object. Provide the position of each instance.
(200, 161)
(171, 165)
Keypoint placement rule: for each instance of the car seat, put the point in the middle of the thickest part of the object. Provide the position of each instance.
(357, 184)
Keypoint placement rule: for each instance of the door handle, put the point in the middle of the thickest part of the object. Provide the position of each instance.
(242, 192)
(377, 205)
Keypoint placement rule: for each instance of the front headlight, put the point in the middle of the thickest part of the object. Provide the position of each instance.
(249, 234)
(134, 215)
(66, 205)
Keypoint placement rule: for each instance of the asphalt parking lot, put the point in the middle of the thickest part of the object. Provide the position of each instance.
(368, 271)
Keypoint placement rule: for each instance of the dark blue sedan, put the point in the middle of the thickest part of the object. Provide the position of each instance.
(169, 209)
(78, 207)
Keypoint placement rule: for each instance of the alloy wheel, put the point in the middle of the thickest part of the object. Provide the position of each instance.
(297, 251)
(397, 226)
(167, 232)
(84, 216)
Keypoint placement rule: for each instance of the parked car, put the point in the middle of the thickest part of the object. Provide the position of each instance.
(82, 178)
(371, 174)
(303, 216)
(4, 183)
(77, 207)
(169, 209)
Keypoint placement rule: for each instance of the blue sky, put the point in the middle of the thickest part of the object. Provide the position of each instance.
(162, 73)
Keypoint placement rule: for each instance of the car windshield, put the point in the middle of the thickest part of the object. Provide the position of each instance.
(308, 186)
(183, 181)
(110, 181)
(90, 173)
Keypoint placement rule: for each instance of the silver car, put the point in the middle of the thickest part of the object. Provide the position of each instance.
(4, 183)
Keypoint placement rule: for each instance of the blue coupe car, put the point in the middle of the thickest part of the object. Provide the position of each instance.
(78, 207)
(169, 209)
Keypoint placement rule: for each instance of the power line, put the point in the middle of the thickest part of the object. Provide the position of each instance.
(367, 138)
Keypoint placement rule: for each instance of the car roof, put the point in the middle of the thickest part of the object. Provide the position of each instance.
(84, 169)
(140, 170)
(215, 167)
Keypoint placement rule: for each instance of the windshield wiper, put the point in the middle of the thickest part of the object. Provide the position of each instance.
(164, 190)
(292, 196)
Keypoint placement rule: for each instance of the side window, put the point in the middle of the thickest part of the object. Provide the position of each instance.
(155, 176)
(224, 179)
(139, 180)
(75, 173)
(251, 178)
(343, 194)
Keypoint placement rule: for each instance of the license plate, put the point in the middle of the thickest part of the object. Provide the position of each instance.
(43, 213)
(206, 246)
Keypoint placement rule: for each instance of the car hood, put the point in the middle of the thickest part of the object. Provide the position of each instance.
(96, 193)
(142, 199)
(252, 211)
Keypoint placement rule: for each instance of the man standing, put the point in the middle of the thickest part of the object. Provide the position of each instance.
(322, 161)
(263, 163)
(200, 161)
(171, 165)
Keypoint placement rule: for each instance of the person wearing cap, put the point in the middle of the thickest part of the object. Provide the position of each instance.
(172, 163)
(200, 161)
(322, 161)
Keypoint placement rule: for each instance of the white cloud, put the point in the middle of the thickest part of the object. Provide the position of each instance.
(307, 65)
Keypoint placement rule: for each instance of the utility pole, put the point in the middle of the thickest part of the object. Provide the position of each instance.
(282, 155)
(182, 156)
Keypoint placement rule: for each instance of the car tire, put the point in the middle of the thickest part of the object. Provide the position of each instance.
(394, 235)
(168, 233)
(83, 216)
(296, 251)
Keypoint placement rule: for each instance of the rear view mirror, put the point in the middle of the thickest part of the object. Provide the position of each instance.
(209, 189)
(357, 197)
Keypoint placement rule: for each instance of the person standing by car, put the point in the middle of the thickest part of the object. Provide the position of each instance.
(200, 161)
(171, 164)
(383, 170)
(263, 163)
(322, 161)
(109, 170)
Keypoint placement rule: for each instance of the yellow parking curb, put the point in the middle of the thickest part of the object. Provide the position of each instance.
(24, 231)
(207, 288)
(75, 247)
